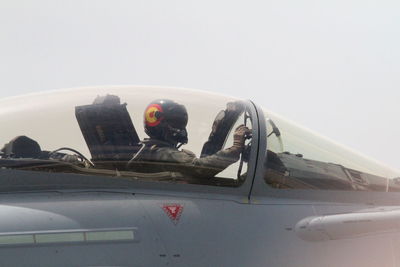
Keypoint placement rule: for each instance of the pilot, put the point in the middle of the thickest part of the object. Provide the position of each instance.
(165, 123)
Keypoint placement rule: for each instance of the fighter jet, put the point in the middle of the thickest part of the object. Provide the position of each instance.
(157, 176)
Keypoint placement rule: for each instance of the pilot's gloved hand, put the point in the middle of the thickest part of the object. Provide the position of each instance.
(239, 137)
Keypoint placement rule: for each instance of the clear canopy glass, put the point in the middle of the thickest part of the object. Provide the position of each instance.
(301, 159)
(100, 131)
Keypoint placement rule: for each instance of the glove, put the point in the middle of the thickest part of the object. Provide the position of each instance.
(239, 137)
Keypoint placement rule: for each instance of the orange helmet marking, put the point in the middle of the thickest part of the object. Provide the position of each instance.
(150, 115)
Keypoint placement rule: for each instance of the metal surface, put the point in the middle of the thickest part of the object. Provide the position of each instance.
(61, 219)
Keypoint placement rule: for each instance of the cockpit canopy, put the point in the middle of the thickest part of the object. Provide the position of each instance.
(176, 135)
(102, 131)
(298, 158)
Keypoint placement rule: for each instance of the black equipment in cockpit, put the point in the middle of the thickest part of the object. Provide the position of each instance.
(222, 125)
(108, 129)
(22, 147)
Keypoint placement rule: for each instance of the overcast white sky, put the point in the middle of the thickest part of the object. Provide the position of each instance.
(332, 66)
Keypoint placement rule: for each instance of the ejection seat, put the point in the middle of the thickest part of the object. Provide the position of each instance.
(108, 131)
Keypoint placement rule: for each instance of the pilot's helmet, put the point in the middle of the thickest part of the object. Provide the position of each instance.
(166, 120)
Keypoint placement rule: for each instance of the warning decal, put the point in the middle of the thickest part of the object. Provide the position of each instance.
(174, 211)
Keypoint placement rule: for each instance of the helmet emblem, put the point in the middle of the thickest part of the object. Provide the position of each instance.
(150, 115)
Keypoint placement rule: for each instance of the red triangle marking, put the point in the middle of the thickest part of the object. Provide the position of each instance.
(173, 211)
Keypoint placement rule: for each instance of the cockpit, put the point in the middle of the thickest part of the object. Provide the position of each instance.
(152, 134)
(176, 136)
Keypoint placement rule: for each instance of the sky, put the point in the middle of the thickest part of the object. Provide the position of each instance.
(331, 66)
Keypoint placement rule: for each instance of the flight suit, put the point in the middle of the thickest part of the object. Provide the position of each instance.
(169, 158)
(159, 156)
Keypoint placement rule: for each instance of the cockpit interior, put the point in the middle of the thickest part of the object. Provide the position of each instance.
(114, 132)
(113, 128)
